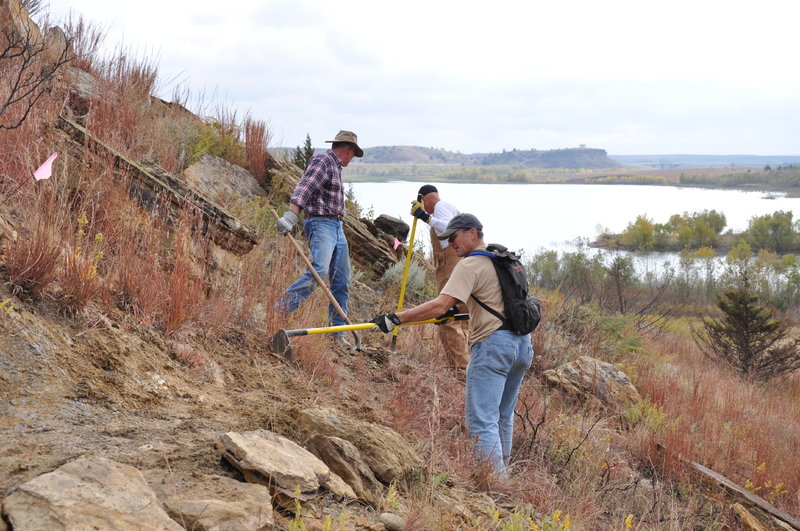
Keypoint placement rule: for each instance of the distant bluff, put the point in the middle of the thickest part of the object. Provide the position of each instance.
(571, 158)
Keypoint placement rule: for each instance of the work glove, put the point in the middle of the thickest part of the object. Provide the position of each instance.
(449, 313)
(286, 223)
(386, 322)
(418, 211)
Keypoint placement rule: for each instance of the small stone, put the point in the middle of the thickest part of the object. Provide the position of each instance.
(392, 522)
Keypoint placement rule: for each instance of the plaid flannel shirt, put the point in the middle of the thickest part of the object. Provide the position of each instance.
(320, 191)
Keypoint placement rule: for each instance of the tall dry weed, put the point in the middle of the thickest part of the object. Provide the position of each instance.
(118, 114)
(85, 39)
(136, 271)
(80, 280)
(185, 288)
(265, 283)
(257, 138)
(33, 258)
(24, 147)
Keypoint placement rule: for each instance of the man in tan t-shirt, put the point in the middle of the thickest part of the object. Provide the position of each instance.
(498, 357)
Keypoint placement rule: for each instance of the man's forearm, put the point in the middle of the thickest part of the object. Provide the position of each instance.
(428, 310)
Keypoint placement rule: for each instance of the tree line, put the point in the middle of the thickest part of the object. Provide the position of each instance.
(739, 307)
(776, 232)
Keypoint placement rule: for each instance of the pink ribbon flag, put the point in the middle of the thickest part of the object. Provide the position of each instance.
(45, 170)
(396, 243)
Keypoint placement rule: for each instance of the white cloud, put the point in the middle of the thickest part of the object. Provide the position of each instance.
(628, 76)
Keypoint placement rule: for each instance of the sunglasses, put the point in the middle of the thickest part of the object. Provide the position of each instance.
(452, 237)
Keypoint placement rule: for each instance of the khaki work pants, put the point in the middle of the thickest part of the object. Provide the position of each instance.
(455, 334)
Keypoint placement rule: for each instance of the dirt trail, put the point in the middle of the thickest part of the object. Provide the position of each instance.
(126, 394)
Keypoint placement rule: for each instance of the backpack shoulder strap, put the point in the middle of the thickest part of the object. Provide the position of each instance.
(490, 310)
(480, 302)
(481, 253)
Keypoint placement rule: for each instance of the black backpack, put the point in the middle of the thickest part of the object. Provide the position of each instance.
(523, 311)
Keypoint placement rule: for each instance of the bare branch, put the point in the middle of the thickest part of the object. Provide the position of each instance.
(27, 70)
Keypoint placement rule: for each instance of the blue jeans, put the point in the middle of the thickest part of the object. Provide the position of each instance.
(494, 376)
(330, 256)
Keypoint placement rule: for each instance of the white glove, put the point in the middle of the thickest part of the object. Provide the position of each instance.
(286, 223)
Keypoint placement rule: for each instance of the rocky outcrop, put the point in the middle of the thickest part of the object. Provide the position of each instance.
(88, 493)
(346, 461)
(369, 252)
(151, 182)
(573, 158)
(219, 178)
(386, 452)
(285, 467)
(591, 378)
(392, 226)
(212, 502)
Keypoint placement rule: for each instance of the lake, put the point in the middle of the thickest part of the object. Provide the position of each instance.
(530, 217)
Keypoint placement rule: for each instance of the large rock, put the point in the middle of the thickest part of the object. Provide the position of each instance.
(149, 183)
(366, 250)
(285, 467)
(84, 88)
(22, 22)
(392, 226)
(212, 502)
(218, 178)
(386, 452)
(588, 377)
(88, 493)
(346, 461)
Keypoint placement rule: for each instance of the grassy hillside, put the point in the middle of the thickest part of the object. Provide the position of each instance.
(413, 155)
(559, 158)
(124, 333)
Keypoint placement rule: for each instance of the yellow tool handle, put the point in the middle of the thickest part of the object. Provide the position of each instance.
(406, 268)
(367, 326)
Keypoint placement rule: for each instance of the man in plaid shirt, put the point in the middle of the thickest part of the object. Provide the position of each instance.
(320, 195)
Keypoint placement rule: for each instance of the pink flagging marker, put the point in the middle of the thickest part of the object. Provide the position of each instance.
(45, 170)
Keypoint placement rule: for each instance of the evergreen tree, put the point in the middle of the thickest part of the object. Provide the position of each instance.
(302, 156)
(747, 337)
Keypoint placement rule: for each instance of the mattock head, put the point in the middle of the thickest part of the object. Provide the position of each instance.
(281, 344)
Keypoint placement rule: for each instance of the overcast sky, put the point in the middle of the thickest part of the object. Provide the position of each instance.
(628, 76)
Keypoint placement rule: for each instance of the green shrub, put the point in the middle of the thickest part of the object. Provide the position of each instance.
(646, 413)
(219, 139)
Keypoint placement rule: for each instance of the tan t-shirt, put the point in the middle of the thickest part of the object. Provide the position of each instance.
(475, 275)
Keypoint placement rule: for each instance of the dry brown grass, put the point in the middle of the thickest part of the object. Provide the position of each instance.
(32, 260)
(256, 142)
(80, 281)
(136, 271)
(185, 289)
(119, 114)
(746, 432)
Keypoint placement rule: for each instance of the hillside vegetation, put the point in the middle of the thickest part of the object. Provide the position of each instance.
(137, 312)
(571, 158)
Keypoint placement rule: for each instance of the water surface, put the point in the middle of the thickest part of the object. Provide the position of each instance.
(551, 216)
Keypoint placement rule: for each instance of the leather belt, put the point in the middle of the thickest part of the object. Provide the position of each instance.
(340, 218)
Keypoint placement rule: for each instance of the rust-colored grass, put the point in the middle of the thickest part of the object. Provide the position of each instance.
(32, 260)
(747, 432)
